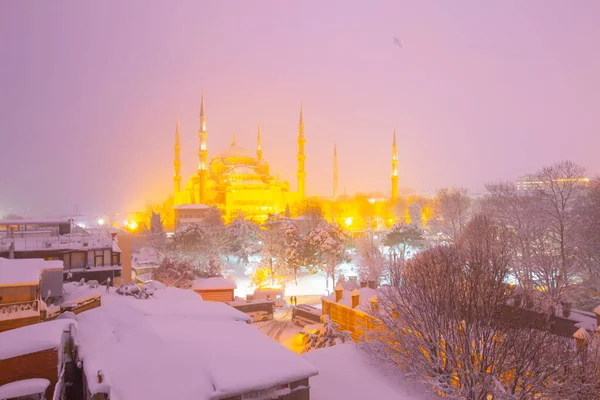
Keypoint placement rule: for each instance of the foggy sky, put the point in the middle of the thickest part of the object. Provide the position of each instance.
(479, 91)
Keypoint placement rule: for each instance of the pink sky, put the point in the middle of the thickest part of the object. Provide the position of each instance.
(479, 91)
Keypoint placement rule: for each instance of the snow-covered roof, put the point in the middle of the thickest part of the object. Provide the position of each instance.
(189, 349)
(26, 387)
(33, 338)
(214, 283)
(25, 271)
(346, 372)
(365, 296)
(191, 207)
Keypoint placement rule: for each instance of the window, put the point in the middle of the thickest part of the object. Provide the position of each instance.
(78, 260)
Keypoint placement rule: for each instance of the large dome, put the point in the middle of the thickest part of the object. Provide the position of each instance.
(235, 151)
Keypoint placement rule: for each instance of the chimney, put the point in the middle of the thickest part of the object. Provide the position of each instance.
(597, 312)
(374, 304)
(363, 284)
(339, 289)
(100, 376)
(372, 284)
(581, 337)
(355, 298)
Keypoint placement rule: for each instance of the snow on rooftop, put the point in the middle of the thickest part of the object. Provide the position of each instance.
(26, 387)
(214, 283)
(365, 296)
(25, 271)
(189, 349)
(345, 373)
(33, 338)
(585, 320)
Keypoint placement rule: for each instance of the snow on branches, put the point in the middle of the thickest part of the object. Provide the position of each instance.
(174, 273)
(327, 336)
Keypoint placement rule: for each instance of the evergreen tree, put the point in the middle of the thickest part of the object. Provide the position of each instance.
(329, 335)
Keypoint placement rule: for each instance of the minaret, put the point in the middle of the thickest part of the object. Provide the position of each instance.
(335, 171)
(202, 155)
(301, 174)
(259, 152)
(177, 163)
(394, 169)
(233, 143)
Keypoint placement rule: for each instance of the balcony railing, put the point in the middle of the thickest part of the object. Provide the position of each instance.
(72, 241)
(10, 308)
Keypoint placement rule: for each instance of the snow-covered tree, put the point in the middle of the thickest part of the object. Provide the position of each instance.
(158, 237)
(327, 336)
(325, 248)
(175, 273)
(273, 250)
(199, 244)
(402, 236)
(293, 249)
(369, 259)
(448, 323)
(414, 212)
(451, 213)
(243, 235)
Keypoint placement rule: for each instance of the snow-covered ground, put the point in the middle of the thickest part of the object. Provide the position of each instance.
(347, 373)
(308, 284)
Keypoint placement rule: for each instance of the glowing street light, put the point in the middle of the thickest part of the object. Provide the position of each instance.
(348, 221)
(100, 221)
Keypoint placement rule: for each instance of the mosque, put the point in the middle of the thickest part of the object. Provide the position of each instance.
(237, 181)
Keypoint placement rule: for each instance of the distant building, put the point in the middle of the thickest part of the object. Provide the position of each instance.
(529, 183)
(190, 214)
(84, 253)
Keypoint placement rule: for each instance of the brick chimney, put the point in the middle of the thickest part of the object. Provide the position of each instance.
(581, 337)
(597, 312)
(374, 304)
(339, 290)
(372, 284)
(100, 376)
(355, 298)
(363, 284)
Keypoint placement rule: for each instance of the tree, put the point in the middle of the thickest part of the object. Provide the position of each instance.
(273, 250)
(448, 323)
(369, 259)
(174, 273)
(325, 248)
(452, 211)
(313, 211)
(158, 237)
(293, 249)
(200, 244)
(588, 235)
(243, 235)
(327, 336)
(401, 235)
(557, 190)
(414, 213)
